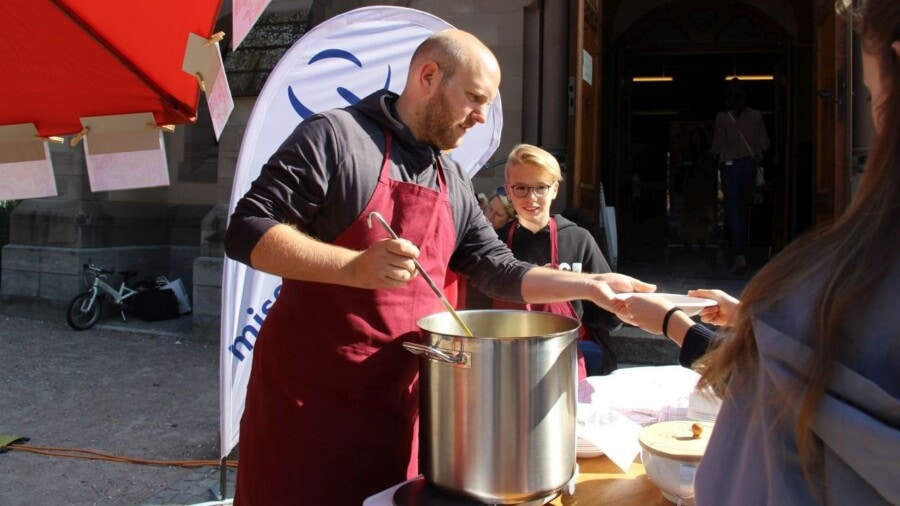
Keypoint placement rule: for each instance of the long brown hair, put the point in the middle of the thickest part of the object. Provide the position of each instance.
(846, 259)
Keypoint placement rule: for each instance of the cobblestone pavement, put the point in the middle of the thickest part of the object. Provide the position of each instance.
(142, 390)
(200, 486)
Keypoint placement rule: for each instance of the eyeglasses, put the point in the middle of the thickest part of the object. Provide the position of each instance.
(521, 190)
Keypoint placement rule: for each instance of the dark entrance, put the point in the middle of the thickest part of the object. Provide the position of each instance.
(671, 182)
(693, 47)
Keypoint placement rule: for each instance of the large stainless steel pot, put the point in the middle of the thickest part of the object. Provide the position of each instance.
(497, 410)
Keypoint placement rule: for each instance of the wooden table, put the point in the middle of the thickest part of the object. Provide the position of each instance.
(602, 482)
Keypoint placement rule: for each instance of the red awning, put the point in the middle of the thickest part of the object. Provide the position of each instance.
(68, 59)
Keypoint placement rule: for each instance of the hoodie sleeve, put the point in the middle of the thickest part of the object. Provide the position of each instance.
(290, 188)
(696, 343)
(594, 262)
(486, 260)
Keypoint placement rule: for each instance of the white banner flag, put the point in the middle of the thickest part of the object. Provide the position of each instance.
(337, 63)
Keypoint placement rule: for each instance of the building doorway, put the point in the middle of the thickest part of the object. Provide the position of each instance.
(686, 51)
(669, 186)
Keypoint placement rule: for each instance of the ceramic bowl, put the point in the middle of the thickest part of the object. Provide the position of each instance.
(675, 478)
(670, 453)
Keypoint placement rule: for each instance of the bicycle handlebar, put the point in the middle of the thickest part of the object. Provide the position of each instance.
(96, 269)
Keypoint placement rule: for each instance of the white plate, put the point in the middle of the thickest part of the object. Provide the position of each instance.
(690, 305)
(586, 454)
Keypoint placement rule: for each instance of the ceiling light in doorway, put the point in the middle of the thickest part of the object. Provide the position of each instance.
(752, 77)
(651, 79)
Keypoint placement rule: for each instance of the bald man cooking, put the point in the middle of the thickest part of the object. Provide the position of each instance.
(332, 403)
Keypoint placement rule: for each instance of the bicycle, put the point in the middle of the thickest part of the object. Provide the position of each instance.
(85, 308)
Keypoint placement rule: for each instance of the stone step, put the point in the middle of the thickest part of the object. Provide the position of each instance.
(637, 347)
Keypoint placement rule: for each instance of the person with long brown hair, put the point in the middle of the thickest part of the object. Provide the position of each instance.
(809, 372)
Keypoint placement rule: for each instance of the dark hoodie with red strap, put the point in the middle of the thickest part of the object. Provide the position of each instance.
(577, 251)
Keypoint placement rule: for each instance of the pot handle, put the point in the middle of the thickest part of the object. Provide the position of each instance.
(421, 349)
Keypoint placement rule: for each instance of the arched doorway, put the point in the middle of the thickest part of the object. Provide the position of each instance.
(695, 46)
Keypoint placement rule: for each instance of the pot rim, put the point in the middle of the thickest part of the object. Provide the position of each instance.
(422, 324)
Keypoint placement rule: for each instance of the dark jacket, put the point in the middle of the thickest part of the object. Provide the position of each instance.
(577, 251)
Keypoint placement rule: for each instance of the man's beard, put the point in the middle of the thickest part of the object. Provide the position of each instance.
(438, 124)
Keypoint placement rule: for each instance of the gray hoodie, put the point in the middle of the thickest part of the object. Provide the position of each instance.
(752, 454)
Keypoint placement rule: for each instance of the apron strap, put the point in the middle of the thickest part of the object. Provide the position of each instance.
(554, 240)
(386, 163)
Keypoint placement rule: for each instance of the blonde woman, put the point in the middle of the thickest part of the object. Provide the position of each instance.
(499, 210)
(536, 236)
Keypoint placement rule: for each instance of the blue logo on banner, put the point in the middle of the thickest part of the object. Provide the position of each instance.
(247, 338)
(346, 94)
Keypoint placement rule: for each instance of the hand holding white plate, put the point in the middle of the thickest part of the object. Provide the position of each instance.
(690, 305)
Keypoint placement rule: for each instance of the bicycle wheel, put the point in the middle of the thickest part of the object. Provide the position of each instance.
(79, 318)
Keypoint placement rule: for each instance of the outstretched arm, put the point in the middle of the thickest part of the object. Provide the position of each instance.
(721, 313)
(649, 312)
(285, 251)
(542, 284)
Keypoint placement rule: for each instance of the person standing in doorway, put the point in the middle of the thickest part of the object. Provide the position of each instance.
(698, 182)
(739, 141)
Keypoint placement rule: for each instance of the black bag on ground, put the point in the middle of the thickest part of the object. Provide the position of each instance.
(155, 304)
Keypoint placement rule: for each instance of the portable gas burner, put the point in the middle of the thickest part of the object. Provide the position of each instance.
(417, 492)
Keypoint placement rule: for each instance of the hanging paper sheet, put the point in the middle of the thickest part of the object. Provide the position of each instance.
(25, 167)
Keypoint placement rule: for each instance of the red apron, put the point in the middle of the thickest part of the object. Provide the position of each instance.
(331, 414)
(563, 308)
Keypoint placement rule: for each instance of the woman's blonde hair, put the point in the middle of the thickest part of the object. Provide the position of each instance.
(510, 209)
(533, 155)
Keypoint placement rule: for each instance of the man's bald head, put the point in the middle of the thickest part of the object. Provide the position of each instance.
(453, 77)
(455, 50)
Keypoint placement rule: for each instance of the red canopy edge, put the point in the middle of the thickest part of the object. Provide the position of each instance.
(187, 112)
(70, 59)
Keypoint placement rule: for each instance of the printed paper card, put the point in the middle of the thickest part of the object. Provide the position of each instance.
(25, 167)
(244, 14)
(204, 60)
(124, 152)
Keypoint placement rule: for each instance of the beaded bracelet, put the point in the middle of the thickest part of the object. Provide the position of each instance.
(669, 313)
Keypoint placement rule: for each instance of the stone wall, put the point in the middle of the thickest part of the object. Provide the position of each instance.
(207, 290)
(51, 238)
(54, 275)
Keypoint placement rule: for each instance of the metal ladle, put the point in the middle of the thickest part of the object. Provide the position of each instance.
(425, 275)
